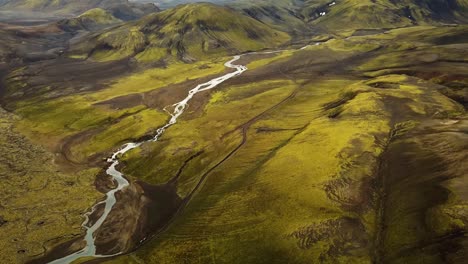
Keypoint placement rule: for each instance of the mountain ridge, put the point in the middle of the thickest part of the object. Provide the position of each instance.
(122, 9)
(90, 20)
(313, 15)
(188, 32)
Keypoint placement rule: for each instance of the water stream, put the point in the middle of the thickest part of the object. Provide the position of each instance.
(90, 249)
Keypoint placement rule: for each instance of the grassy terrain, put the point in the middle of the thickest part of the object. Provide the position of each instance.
(304, 184)
(217, 113)
(415, 218)
(267, 194)
(83, 125)
(326, 154)
(41, 206)
(77, 127)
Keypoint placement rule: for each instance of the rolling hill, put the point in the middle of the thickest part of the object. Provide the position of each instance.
(189, 32)
(351, 150)
(352, 14)
(312, 15)
(92, 19)
(122, 9)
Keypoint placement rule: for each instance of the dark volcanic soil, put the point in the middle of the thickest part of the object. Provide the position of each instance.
(416, 172)
(142, 210)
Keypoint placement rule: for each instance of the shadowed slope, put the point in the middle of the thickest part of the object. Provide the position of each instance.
(301, 16)
(352, 14)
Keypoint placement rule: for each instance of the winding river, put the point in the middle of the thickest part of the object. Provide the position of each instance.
(90, 249)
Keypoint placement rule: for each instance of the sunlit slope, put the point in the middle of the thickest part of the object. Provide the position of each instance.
(41, 204)
(299, 139)
(89, 20)
(288, 163)
(188, 32)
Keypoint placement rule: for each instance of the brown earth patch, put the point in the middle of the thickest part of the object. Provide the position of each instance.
(346, 235)
(141, 211)
(62, 77)
(420, 172)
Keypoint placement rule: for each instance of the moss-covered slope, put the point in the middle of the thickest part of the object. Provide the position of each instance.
(41, 204)
(90, 20)
(352, 151)
(352, 14)
(188, 32)
(330, 154)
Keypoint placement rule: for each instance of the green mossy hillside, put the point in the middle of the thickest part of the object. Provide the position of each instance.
(299, 188)
(298, 174)
(377, 14)
(83, 126)
(41, 204)
(282, 164)
(328, 16)
(89, 20)
(189, 32)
